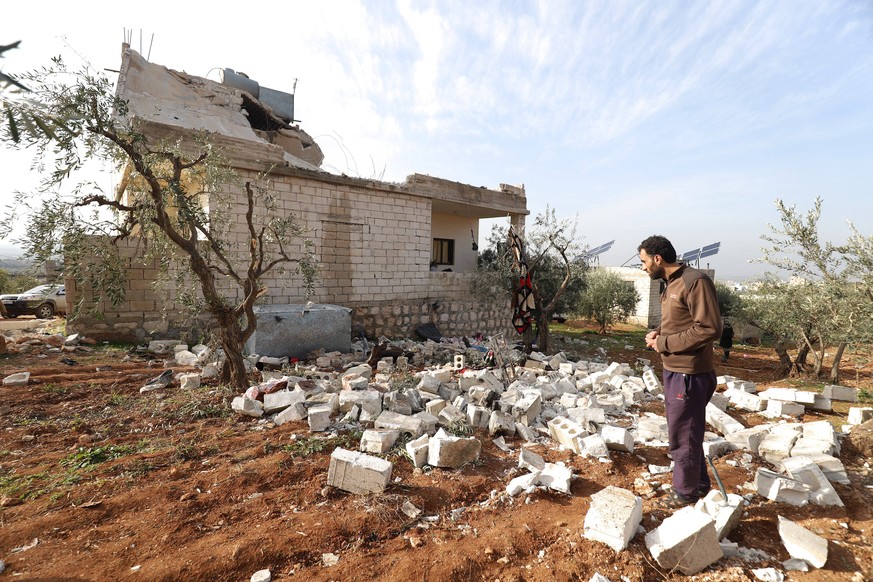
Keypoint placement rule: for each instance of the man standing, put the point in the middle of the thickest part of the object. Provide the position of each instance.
(690, 322)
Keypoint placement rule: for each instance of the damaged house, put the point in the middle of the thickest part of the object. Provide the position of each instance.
(375, 241)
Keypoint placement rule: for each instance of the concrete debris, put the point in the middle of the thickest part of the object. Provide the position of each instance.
(261, 576)
(19, 379)
(358, 473)
(768, 575)
(685, 541)
(613, 518)
(802, 544)
(583, 407)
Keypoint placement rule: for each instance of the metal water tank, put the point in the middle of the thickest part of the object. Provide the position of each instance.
(295, 330)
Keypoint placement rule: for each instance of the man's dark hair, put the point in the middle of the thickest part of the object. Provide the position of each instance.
(659, 245)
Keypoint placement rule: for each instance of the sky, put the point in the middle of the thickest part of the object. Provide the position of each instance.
(687, 119)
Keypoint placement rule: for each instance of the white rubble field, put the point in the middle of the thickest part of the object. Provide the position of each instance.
(586, 407)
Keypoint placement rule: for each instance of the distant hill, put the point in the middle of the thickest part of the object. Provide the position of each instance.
(9, 260)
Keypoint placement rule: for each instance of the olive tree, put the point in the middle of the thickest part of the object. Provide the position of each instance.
(828, 300)
(607, 299)
(175, 206)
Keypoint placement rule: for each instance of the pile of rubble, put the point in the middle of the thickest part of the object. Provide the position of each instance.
(584, 407)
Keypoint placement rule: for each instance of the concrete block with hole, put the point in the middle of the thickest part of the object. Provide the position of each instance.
(417, 450)
(722, 421)
(653, 384)
(566, 433)
(840, 393)
(725, 512)
(452, 452)
(686, 541)
(357, 472)
(613, 517)
(586, 415)
(279, 401)
(617, 438)
(780, 488)
(803, 544)
(378, 440)
(805, 470)
(832, 468)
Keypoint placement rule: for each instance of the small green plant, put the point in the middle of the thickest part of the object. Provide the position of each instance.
(459, 428)
(404, 383)
(90, 456)
(54, 389)
(118, 399)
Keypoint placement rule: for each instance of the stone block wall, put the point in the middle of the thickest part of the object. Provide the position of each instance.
(372, 241)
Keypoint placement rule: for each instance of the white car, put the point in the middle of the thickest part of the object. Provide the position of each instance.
(43, 302)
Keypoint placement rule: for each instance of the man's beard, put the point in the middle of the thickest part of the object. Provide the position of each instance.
(658, 272)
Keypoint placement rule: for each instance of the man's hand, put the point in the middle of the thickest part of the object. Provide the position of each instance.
(652, 340)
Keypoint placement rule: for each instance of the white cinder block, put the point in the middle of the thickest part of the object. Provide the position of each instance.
(617, 438)
(358, 473)
(803, 469)
(685, 541)
(802, 544)
(613, 517)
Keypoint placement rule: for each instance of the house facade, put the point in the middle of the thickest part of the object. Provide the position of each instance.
(398, 254)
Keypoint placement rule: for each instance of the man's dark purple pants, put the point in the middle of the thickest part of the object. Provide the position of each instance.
(685, 399)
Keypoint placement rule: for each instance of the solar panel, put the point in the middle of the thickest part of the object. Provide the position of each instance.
(690, 256)
(599, 250)
(709, 250)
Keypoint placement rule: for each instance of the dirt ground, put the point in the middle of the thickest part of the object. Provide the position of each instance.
(100, 482)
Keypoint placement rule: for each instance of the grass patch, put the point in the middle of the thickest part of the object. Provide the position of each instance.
(312, 445)
(54, 389)
(85, 457)
(404, 383)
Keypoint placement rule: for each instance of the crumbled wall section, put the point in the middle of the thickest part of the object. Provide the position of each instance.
(373, 244)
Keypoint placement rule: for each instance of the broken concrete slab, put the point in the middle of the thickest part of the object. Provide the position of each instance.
(725, 512)
(418, 449)
(379, 440)
(18, 379)
(449, 451)
(527, 459)
(617, 438)
(804, 469)
(859, 415)
(527, 482)
(841, 393)
(556, 476)
(685, 541)
(247, 407)
(803, 544)
(780, 488)
(410, 425)
(278, 401)
(357, 472)
(721, 421)
(613, 517)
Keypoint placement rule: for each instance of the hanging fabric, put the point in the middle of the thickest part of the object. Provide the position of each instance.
(523, 304)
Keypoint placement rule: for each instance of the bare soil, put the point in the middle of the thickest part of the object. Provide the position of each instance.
(100, 482)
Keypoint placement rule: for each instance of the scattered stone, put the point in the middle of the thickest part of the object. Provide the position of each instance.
(685, 541)
(358, 473)
(802, 544)
(613, 518)
(19, 379)
(261, 576)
